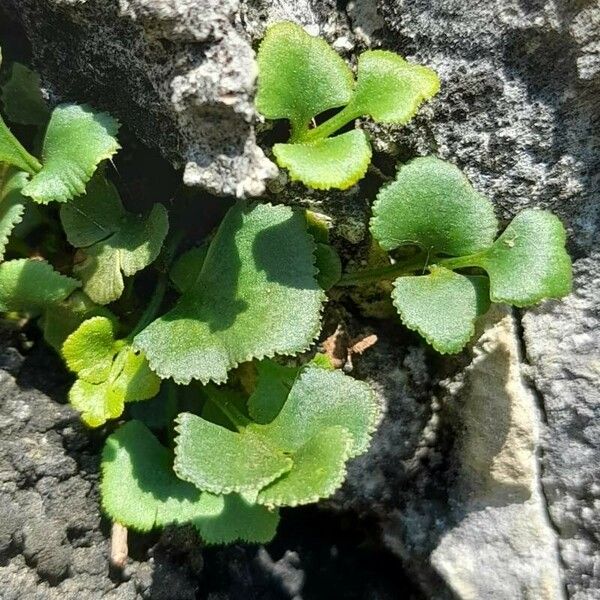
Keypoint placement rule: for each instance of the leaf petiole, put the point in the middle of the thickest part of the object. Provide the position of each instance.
(333, 124)
(367, 276)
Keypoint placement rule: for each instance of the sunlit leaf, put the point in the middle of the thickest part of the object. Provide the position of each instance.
(442, 306)
(256, 296)
(299, 76)
(336, 162)
(30, 286)
(390, 89)
(432, 204)
(298, 457)
(140, 490)
(77, 140)
(110, 373)
(12, 203)
(528, 262)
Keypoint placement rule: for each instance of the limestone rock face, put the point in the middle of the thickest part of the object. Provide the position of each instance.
(499, 542)
(178, 73)
(563, 347)
(486, 484)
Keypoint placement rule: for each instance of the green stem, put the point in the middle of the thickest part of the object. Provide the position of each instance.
(324, 130)
(158, 295)
(367, 276)
(460, 262)
(237, 418)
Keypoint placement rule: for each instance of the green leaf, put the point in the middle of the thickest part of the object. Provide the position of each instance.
(30, 286)
(115, 242)
(528, 262)
(319, 470)
(336, 162)
(89, 351)
(77, 140)
(390, 89)
(109, 372)
(22, 97)
(64, 318)
(319, 399)
(239, 521)
(13, 153)
(442, 306)
(256, 296)
(432, 204)
(140, 490)
(299, 76)
(221, 461)
(187, 267)
(329, 265)
(272, 389)
(12, 203)
(299, 456)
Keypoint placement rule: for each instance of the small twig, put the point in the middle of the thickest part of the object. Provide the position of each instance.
(119, 551)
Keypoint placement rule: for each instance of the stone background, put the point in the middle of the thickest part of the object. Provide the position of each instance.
(485, 475)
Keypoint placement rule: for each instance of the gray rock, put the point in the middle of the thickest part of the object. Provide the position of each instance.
(177, 73)
(563, 347)
(499, 542)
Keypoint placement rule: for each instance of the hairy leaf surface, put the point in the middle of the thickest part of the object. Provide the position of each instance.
(432, 204)
(299, 456)
(442, 306)
(335, 162)
(12, 203)
(77, 140)
(390, 89)
(528, 262)
(299, 76)
(256, 296)
(30, 286)
(140, 490)
(114, 242)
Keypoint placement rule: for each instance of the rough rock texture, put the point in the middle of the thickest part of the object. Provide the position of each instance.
(499, 542)
(457, 499)
(54, 542)
(178, 74)
(565, 366)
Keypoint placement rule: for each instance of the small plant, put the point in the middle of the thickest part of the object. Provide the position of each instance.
(301, 77)
(458, 266)
(206, 423)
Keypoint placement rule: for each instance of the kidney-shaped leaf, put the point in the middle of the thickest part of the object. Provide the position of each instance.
(77, 140)
(298, 457)
(335, 162)
(442, 306)
(300, 76)
(114, 242)
(432, 204)
(256, 296)
(140, 490)
(389, 88)
(528, 262)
